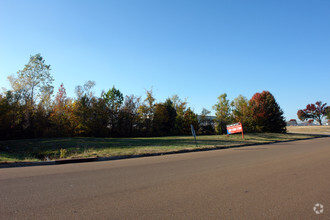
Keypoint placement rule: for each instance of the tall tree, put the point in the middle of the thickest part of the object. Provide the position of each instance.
(31, 86)
(60, 116)
(222, 114)
(34, 82)
(160, 120)
(146, 112)
(113, 100)
(170, 107)
(82, 108)
(180, 108)
(313, 111)
(266, 113)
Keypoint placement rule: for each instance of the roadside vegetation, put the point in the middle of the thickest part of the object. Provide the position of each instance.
(79, 147)
(35, 125)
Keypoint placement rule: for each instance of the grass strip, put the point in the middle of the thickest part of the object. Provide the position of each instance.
(31, 150)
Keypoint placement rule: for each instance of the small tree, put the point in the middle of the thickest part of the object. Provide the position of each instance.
(205, 123)
(241, 112)
(189, 118)
(222, 114)
(313, 111)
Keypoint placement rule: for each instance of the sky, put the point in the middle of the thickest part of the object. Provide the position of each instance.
(195, 49)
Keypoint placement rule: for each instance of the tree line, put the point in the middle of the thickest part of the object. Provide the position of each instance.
(29, 110)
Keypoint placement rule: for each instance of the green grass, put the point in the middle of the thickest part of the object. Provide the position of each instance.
(41, 149)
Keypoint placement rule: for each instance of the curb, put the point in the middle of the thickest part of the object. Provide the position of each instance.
(76, 160)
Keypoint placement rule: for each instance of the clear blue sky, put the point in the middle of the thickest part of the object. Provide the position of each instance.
(196, 49)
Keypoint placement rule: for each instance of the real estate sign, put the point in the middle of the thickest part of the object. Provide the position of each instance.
(235, 128)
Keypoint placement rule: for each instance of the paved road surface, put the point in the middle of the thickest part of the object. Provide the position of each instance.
(278, 181)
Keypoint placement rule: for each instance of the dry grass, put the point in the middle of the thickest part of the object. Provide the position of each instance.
(309, 129)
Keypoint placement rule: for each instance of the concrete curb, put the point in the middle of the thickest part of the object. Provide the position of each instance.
(94, 159)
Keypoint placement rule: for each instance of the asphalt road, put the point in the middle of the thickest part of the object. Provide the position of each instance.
(277, 181)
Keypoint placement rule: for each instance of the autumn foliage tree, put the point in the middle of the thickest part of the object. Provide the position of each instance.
(267, 115)
(146, 112)
(313, 111)
(59, 116)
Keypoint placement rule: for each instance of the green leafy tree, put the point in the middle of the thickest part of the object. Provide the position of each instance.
(113, 100)
(160, 120)
(241, 112)
(222, 114)
(180, 108)
(189, 118)
(170, 108)
(164, 118)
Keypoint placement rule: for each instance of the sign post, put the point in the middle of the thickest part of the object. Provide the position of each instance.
(193, 133)
(235, 128)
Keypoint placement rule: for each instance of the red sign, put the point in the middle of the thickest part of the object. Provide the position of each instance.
(235, 128)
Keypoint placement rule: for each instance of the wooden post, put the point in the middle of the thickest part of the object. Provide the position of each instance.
(242, 130)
